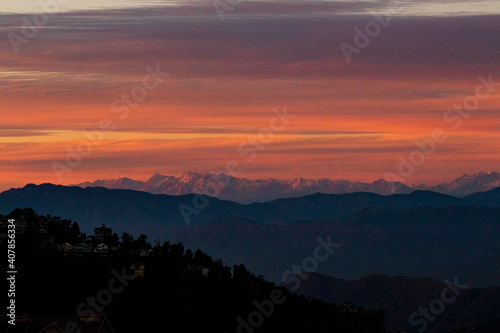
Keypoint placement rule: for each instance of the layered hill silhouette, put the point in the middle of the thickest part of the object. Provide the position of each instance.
(402, 296)
(243, 190)
(131, 211)
(421, 233)
(434, 242)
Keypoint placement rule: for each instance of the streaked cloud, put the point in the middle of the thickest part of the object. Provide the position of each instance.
(225, 78)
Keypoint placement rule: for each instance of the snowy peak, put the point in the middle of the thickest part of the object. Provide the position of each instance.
(120, 183)
(245, 190)
(469, 184)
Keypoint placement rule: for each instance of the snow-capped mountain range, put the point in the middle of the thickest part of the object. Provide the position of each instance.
(244, 190)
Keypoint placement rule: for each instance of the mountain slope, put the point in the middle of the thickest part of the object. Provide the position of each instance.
(429, 241)
(402, 296)
(469, 184)
(123, 210)
(117, 184)
(130, 208)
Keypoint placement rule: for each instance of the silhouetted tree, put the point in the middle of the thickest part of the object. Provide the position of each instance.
(201, 258)
(141, 243)
(114, 239)
(188, 256)
(177, 251)
(74, 232)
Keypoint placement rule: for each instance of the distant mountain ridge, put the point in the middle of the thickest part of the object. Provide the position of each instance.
(246, 191)
(128, 210)
(120, 208)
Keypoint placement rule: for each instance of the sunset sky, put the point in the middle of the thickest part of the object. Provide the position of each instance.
(228, 72)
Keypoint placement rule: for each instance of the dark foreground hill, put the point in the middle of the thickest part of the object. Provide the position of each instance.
(187, 291)
(169, 290)
(449, 307)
